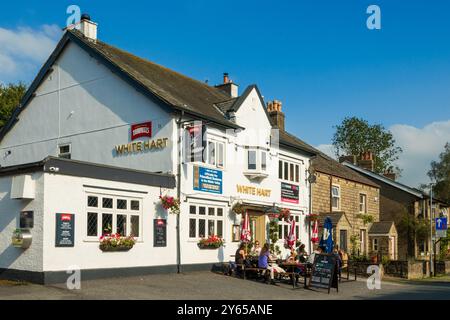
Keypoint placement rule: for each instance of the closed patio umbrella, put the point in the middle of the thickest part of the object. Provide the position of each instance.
(291, 239)
(246, 235)
(327, 237)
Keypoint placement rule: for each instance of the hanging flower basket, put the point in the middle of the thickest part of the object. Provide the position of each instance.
(285, 214)
(238, 208)
(115, 242)
(212, 242)
(170, 204)
(312, 217)
(273, 217)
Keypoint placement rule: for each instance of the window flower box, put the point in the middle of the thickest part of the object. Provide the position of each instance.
(116, 243)
(212, 242)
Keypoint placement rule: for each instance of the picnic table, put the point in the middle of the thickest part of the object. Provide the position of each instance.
(292, 270)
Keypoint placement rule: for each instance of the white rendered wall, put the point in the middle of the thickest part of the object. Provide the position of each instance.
(17, 258)
(86, 253)
(93, 111)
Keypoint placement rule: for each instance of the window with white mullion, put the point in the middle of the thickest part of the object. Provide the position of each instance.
(205, 220)
(107, 214)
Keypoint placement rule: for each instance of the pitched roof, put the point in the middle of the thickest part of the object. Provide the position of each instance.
(166, 86)
(327, 165)
(323, 163)
(385, 180)
(382, 227)
(335, 217)
(172, 87)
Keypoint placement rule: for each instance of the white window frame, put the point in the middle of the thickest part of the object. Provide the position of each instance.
(114, 212)
(65, 154)
(375, 244)
(285, 226)
(365, 209)
(283, 172)
(207, 218)
(216, 160)
(338, 197)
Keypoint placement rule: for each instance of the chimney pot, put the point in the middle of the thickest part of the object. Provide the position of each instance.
(226, 79)
(277, 117)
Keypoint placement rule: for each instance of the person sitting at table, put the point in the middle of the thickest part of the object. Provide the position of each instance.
(292, 257)
(263, 263)
(239, 258)
(256, 249)
(302, 256)
(312, 256)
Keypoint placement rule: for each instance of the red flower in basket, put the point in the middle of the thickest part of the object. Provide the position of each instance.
(170, 203)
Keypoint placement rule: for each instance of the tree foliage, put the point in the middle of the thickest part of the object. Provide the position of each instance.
(440, 174)
(10, 96)
(355, 136)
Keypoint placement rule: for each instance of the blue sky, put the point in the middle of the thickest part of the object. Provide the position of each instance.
(317, 57)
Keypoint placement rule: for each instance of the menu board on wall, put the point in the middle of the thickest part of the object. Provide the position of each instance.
(65, 230)
(289, 193)
(160, 233)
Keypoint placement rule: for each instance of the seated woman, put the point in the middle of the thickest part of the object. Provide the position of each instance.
(263, 262)
(256, 249)
(239, 258)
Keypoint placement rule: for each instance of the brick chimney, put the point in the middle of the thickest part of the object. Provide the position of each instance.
(390, 174)
(276, 115)
(228, 86)
(351, 159)
(88, 27)
(366, 161)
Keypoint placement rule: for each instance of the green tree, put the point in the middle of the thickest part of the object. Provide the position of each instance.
(440, 174)
(10, 96)
(355, 136)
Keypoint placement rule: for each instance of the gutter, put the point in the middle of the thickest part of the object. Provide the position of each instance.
(179, 123)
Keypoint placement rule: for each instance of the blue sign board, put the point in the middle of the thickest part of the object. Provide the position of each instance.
(207, 180)
(441, 224)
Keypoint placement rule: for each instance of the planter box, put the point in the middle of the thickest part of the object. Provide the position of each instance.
(115, 249)
(208, 247)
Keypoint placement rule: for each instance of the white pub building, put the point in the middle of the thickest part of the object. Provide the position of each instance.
(102, 134)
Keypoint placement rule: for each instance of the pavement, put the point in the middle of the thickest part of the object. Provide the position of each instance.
(208, 285)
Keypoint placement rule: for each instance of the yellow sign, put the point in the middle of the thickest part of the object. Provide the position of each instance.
(141, 146)
(253, 191)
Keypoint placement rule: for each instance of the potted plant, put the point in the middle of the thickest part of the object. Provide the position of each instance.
(115, 242)
(171, 204)
(212, 242)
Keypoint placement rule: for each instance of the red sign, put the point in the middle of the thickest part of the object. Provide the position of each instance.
(141, 130)
(66, 217)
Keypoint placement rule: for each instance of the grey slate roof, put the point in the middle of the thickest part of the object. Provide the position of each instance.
(382, 227)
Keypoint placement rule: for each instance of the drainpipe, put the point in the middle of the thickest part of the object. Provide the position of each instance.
(179, 131)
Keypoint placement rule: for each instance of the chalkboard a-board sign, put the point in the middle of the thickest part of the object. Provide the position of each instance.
(324, 272)
(65, 230)
(160, 233)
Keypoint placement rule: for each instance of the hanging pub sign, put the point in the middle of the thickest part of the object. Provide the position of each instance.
(194, 142)
(207, 180)
(141, 130)
(289, 193)
(65, 230)
(324, 273)
(160, 233)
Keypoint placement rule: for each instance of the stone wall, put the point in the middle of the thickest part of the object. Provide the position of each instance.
(349, 203)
